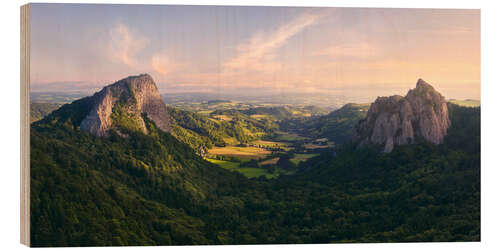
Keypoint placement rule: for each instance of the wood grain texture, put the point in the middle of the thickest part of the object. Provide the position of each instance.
(25, 121)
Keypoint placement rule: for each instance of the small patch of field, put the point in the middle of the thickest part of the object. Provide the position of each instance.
(288, 137)
(240, 152)
(229, 165)
(314, 146)
(301, 157)
(247, 172)
(466, 103)
(254, 172)
(271, 143)
(259, 117)
(272, 161)
(257, 172)
(205, 112)
(223, 117)
(230, 140)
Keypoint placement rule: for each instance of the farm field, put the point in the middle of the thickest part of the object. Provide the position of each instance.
(288, 137)
(229, 165)
(271, 161)
(205, 112)
(240, 152)
(247, 172)
(302, 157)
(223, 117)
(466, 103)
(271, 143)
(316, 146)
(257, 172)
(259, 117)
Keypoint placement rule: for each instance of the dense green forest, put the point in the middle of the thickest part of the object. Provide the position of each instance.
(154, 189)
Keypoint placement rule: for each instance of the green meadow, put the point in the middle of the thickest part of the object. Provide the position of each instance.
(247, 172)
(301, 157)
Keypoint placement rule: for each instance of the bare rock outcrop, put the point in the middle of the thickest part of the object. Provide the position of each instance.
(123, 103)
(398, 120)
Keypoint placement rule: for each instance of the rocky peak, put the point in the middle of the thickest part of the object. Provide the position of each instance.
(122, 105)
(421, 84)
(398, 120)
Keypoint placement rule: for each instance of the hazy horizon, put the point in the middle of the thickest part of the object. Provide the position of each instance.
(355, 52)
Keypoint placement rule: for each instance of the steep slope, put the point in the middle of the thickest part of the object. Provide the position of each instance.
(91, 191)
(117, 189)
(398, 120)
(122, 104)
(421, 192)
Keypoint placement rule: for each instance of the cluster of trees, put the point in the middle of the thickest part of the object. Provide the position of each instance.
(154, 190)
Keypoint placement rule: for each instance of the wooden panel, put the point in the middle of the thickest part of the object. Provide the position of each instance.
(25, 127)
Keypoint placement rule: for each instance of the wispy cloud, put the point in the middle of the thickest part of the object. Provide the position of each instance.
(299, 49)
(163, 65)
(258, 52)
(129, 48)
(125, 46)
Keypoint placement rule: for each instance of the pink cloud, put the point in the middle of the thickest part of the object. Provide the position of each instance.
(124, 46)
(163, 65)
(258, 53)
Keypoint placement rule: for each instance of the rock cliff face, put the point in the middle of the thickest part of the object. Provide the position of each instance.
(122, 105)
(398, 120)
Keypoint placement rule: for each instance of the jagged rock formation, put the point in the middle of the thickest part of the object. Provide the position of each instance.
(398, 120)
(122, 105)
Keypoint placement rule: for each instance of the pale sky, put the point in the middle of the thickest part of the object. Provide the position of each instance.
(358, 51)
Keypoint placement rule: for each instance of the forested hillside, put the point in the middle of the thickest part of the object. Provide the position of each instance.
(204, 131)
(155, 190)
(135, 190)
